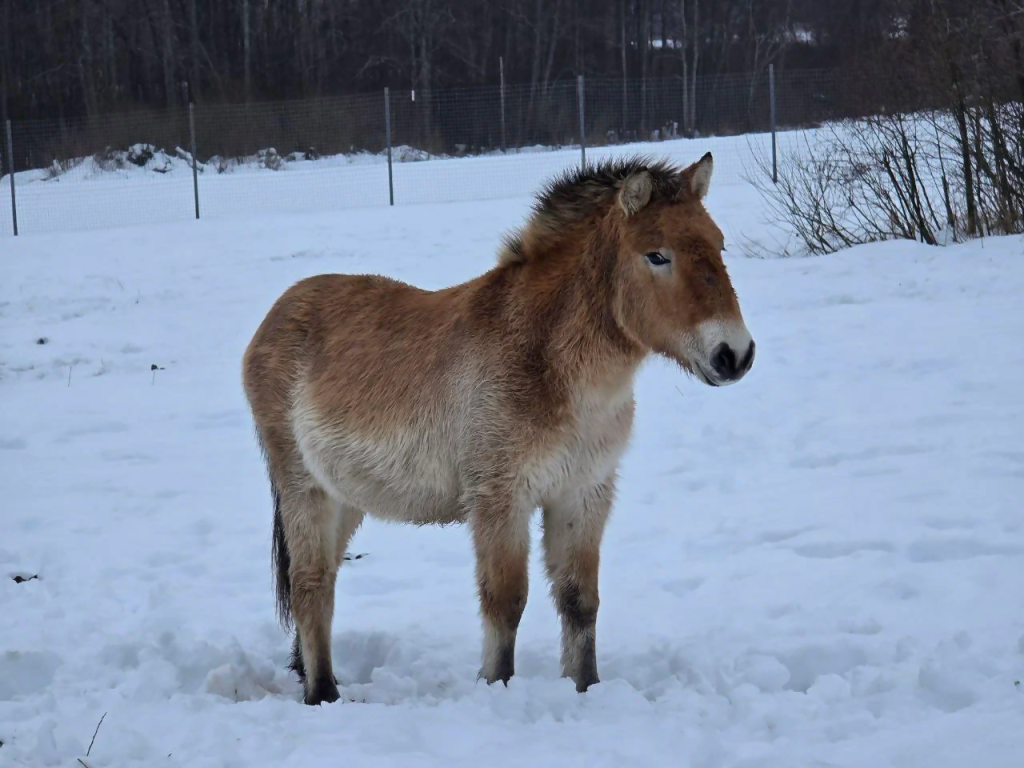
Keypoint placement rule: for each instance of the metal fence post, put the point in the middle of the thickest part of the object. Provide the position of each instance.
(10, 169)
(583, 125)
(501, 71)
(195, 169)
(387, 136)
(771, 97)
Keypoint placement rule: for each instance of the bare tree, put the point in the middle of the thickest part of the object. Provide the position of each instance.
(67, 58)
(942, 158)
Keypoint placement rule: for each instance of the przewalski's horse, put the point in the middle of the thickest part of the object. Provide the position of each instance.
(481, 402)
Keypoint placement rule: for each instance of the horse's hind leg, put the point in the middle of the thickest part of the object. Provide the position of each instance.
(313, 528)
(349, 521)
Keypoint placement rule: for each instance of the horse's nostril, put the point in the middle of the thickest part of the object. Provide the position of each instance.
(748, 359)
(723, 361)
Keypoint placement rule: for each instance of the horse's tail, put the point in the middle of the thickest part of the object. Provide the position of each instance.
(281, 559)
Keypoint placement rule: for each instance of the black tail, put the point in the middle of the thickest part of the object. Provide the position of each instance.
(281, 560)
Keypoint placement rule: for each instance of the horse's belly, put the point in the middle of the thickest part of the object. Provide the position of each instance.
(411, 503)
(406, 480)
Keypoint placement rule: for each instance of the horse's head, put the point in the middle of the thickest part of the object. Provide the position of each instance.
(673, 294)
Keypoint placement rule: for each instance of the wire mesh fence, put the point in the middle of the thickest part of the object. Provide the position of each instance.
(215, 161)
(295, 156)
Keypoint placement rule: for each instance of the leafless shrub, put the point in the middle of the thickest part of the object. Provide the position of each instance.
(941, 161)
(58, 167)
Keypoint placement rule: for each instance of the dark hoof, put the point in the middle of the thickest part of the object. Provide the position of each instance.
(504, 669)
(295, 662)
(583, 683)
(324, 692)
(496, 679)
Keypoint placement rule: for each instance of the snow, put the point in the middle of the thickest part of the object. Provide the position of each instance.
(92, 194)
(819, 566)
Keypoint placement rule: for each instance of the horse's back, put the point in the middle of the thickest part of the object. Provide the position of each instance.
(364, 331)
(370, 378)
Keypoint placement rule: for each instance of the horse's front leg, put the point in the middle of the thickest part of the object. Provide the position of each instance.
(501, 538)
(573, 526)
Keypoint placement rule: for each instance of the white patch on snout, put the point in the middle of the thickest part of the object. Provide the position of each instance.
(710, 334)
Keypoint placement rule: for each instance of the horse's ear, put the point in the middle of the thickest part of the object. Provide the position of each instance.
(697, 178)
(635, 192)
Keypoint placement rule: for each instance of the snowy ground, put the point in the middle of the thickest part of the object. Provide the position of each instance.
(820, 566)
(89, 196)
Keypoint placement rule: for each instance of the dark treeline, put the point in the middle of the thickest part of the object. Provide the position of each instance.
(82, 58)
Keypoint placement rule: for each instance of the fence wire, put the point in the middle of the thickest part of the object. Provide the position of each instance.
(332, 153)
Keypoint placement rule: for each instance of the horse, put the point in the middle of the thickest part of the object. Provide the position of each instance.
(481, 402)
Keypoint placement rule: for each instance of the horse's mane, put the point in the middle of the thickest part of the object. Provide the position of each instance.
(578, 193)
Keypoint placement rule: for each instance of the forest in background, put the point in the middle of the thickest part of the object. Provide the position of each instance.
(62, 59)
(921, 101)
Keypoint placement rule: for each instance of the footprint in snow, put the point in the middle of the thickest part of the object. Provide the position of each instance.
(683, 587)
(102, 428)
(830, 550)
(941, 550)
(835, 459)
(219, 420)
(774, 537)
(26, 672)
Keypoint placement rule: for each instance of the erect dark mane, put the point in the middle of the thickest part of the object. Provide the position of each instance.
(578, 193)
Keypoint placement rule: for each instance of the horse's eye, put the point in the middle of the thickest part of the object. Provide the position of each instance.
(656, 259)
